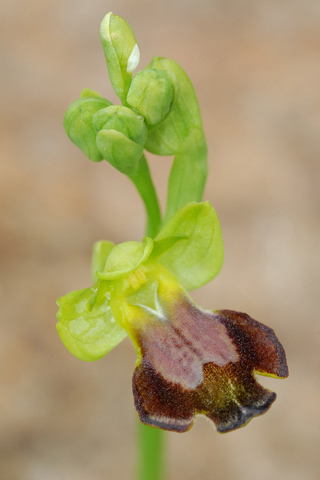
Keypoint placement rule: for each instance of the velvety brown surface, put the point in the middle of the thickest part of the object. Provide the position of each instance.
(180, 375)
(256, 68)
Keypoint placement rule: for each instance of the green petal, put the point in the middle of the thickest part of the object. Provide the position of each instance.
(100, 253)
(125, 258)
(197, 260)
(87, 335)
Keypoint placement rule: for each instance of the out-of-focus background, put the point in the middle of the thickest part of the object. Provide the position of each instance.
(255, 65)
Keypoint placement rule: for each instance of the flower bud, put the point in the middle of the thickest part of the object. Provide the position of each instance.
(167, 137)
(151, 94)
(78, 123)
(121, 135)
(121, 51)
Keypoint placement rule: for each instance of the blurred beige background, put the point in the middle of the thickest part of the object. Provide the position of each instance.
(255, 65)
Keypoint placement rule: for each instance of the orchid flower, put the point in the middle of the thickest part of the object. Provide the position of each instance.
(189, 361)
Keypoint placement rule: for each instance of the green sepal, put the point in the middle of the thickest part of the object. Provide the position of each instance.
(151, 94)
(78, 124)
(100, 253)
(166, 137)
(125, 258)
(161, 246)
(197, 260)
(121, 51)
(87, 335)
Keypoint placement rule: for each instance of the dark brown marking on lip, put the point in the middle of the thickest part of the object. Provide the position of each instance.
(160, 403)
(228, 394)
(256, 342)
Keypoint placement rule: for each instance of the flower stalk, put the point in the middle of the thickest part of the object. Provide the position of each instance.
(150, 453)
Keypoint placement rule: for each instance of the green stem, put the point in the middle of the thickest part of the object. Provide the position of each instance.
(150, 453)
(143, 182)
(150, 445)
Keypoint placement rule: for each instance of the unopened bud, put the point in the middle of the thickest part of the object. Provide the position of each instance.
(78, 123)
(121, 51)
(151, 94)
(121, 135)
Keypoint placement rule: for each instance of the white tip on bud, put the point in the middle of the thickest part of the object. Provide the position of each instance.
(134, 59)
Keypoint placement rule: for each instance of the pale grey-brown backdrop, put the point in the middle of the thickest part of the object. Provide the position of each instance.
(255, 65)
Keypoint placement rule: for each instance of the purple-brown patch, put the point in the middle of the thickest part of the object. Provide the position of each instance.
(198, 362)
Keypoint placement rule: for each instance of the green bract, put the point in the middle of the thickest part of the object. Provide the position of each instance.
(167, 137)
(189, 247)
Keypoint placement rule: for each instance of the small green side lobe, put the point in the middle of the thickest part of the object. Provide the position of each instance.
(198, 260)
